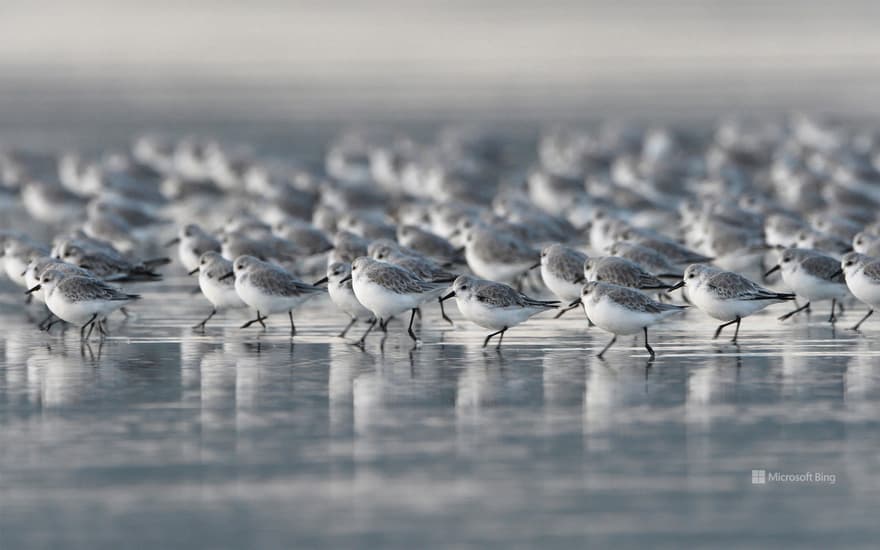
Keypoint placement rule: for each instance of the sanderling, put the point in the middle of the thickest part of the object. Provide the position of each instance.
(388, 290)
(265, 247)
(109, 265)
(218, 290)
(622, 310)
(425, 268)
(269, 289)
(347, 247)
(495, 306)
(79, 300)
(431, 245)
(676, 252)
(866, 243)
(305, 236)
(193, 241)
(726, 296)
(17, 254)
(648, 258)
(562, 269)
(623, 272)
(342, 294)
(863, 279)
(41, 264)
(811, 275)
(498, 256)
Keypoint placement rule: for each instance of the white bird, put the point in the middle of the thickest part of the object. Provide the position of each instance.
(388, 290)
(863, 279)
(726, 296)
(622, 310)
(495, 306)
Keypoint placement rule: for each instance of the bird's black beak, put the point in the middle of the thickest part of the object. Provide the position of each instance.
(226, 276)
(194, 271)
(346, 279)
(575, 303)
(172, 242)
(34, 289)
(837, 273)
(448, 296)
(321, 281)
(534, 266)
(676, 286)
(23, 273)
(773, 269)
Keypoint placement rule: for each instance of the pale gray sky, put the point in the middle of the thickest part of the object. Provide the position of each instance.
(483, 48)
(474, 39)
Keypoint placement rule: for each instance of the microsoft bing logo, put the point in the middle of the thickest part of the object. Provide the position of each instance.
(759, 477)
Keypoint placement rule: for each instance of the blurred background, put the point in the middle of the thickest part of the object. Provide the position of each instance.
(101, 67)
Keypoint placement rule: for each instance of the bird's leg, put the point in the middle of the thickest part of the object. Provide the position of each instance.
(833, 318)
(796, 311)
(412, 317)
(42, 325)
(208, 318)
(91, 326)
(292, 326)
(870, 311)
(372, 324)
(443, 313)
(383, 324)
(262, 318)
(720, 327)
(565, 310)
(486, 341)
(501, 337)
(259, 319)
(82, 330)
(348, 326)
(736, 332)
(608, 345)
(647, 345)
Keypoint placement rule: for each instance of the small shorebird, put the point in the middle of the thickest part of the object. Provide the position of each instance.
(218, 290)
(495, 306)
(727, 296)
(269, 289)
(388, 290)
(342, 294)
(811, 275)
(623, 310)
(79, 300)
(863, 279)
(562, 269)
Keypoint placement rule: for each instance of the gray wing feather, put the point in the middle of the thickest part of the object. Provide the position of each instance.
(636, 301)
(823, 267)
(400, 280)
(569, 265)
(281, 283)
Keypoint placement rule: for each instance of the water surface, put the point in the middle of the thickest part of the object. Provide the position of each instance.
(245, 439)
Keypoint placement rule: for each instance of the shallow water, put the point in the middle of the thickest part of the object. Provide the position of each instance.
(240, 439)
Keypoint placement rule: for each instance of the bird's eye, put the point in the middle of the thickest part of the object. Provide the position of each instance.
(464, 287)
(849, 263)
(691, 276)
(786, 260)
